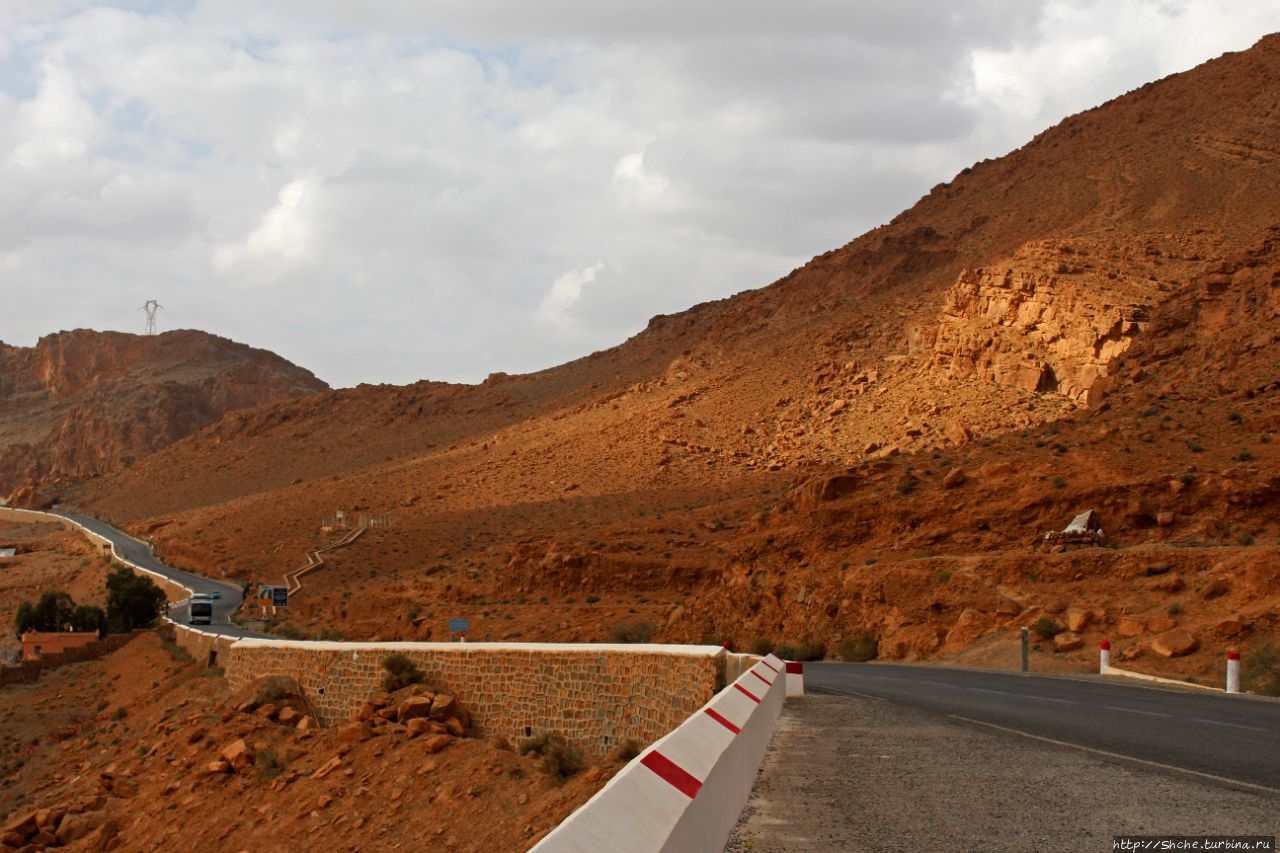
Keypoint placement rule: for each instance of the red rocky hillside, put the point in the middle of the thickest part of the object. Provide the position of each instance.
(872, 446)
(83, 403)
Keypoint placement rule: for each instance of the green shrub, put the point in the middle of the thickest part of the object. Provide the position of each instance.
(859, 649)
(1261, 671)
(1245, 455)
(626, 750)
(1046, 629)
(401, 672)
(1059, 482)
(267, 764)
(762, 647)
(1245, 538)
(1194, 447)
(632, 632)
(802, 652)
(559, 759)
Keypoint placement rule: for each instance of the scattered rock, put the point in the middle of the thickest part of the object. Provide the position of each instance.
(1078, 619)
(955, 477)
(1160, 624)
(1216, 589)
(1175, 643)
(328, 767)
(1230, 628)
(1130, 628)
(1169, 584)
(443, 706)
(414, 707)
(353, 732)
(1067, 642)
(435, 743)
(1164, 518)
(239, 755)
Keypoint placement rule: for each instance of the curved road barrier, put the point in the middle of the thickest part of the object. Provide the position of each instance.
(686, 792)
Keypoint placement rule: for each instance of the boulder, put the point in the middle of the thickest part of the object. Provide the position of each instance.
(1229, 628)
(913, 640)
(955, 477)
(1215, 589)
(1164, 518)
(238, 754)
(1173, 644)
(443, 706)
(306, 724)
(353, 732)
(1169, 583)
(414, 707)
(435, 743)
(1130, 628)
(1067, 642)
(970, 626)
(267, 711)
(417, 726)
(1078, 619)
(217, 767)
(24, 824)
(454, 727)
(73, 827)
(1160, 624)
(288, 717)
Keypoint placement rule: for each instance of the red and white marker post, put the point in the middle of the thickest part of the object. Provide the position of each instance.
(1104, 657)
(1233, 672)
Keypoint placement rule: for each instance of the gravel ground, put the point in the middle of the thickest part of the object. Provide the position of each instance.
(852, 774)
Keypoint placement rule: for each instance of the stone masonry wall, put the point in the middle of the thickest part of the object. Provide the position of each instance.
(596, 696)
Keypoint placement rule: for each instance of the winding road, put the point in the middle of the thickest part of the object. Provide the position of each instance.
(139, 554)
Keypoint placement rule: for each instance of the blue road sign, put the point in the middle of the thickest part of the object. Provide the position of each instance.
(457, 626)
(280, 596)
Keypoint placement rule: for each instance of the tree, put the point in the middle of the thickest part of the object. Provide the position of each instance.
(26, 619)
(53, 611)
(133, 601)
(89, 618)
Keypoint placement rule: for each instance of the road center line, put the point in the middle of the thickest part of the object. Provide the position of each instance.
(1135, 711)
(1228, 725)
(1223, 779)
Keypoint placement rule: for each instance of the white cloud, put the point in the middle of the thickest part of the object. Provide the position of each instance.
(408, 177)
(556, 308)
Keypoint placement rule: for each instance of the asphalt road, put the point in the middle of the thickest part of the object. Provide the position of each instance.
(139, 554)
(1233, 739)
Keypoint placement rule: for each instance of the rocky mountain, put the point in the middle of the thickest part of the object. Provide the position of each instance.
(873, 446)
(84, 403)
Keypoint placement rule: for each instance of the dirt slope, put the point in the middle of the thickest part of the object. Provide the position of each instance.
(1088, 322)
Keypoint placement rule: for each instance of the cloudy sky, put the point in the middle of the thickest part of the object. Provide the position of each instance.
(387, 191)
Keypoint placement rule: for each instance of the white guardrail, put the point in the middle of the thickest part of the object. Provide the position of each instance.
(685, 792)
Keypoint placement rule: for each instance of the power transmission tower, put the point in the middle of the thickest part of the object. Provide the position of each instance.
(150, 307)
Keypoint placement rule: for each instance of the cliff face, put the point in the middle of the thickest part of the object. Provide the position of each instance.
(84, 403)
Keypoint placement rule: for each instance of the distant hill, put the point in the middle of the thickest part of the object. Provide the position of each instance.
(84, 403)
(873, 445)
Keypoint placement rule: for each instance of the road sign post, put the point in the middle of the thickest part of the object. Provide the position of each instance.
(1024, 648)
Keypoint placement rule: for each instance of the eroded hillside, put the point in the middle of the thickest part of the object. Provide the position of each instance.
(873, 445)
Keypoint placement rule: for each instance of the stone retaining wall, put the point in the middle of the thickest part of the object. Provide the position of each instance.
(595, 695)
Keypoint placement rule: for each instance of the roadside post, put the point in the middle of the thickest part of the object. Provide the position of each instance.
(1233, 671)
(1104, 657)
(1024, 648)
(458, 628)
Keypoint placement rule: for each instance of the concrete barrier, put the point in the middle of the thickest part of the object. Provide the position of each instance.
(795, 678)
(686, 792)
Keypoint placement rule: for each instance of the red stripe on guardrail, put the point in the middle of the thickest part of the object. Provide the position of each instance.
(795, 667)
(719, 718)
(766, 663)
(767, 682)
(753, 697)
(679, 778)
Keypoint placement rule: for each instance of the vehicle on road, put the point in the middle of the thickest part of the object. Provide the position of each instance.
(200, 612)
(215, 595)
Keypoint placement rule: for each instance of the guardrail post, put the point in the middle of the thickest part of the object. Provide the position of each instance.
(1024, 648)
(1104, 657)
(1233, 671)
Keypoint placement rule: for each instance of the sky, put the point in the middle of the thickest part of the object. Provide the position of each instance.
(395, 190)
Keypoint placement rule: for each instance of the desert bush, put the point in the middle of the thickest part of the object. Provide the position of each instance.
(1261, 671)
(267, 764)
(273, 688)
(1046, 628)
(632, 632)
(559, 758)
(1245, 538)
(762, 647)
(802, 652)
(859, 649)
(401, 672)
(626, 750)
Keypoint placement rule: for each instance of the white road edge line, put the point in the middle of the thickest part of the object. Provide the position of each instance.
(839, 691)
(1236, 782)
